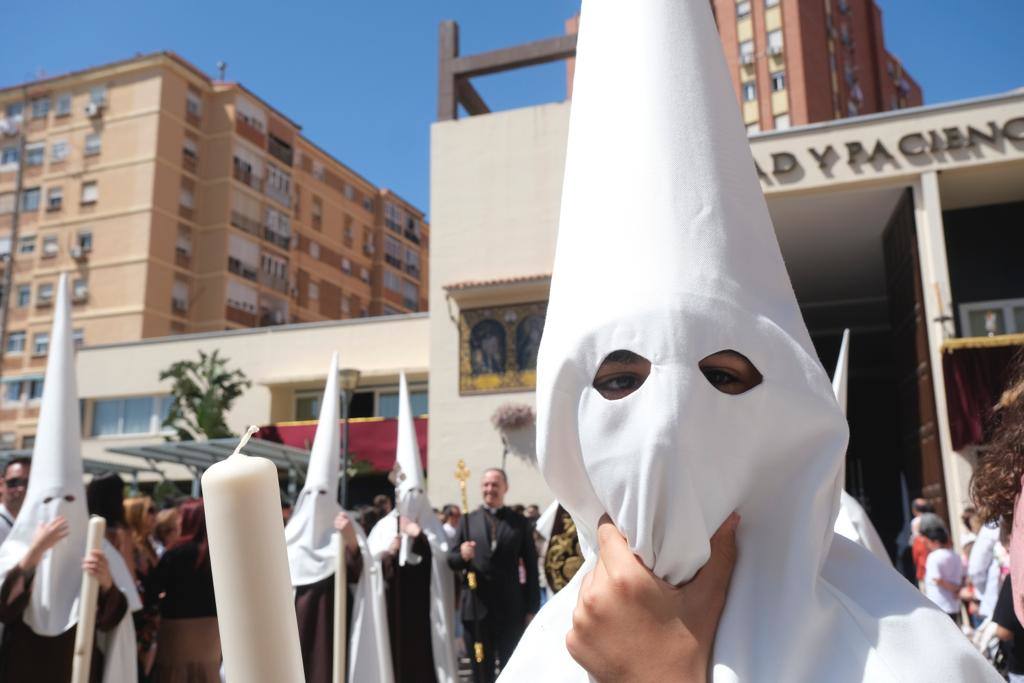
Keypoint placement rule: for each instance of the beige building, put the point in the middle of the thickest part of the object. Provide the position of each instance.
(181, 204)
(903, 226)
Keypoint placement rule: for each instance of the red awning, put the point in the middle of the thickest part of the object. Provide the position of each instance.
(371, 440)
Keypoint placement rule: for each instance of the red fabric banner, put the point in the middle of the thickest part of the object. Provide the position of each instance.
(371, 440)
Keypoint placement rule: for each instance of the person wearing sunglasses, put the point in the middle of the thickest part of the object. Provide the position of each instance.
(15, 484)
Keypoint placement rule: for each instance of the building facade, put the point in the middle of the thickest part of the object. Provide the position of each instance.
(795, 62)
(181, 204)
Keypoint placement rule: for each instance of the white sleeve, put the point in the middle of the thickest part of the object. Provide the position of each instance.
(981, 557)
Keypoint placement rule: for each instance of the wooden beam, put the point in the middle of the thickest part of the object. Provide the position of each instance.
(517, 57)
(448, 52)
(470, 98)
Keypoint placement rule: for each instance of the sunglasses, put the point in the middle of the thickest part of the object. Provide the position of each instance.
(16, 482)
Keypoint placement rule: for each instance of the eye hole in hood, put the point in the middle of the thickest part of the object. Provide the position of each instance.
(621, 373)
(730, 372)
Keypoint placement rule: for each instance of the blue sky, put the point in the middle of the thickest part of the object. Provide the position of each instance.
(361, 77)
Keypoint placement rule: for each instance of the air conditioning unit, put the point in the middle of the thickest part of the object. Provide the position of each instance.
(279, 317)
(747, 59)
(775, 49)
(93, 109)
(78, 253)
(368, 249)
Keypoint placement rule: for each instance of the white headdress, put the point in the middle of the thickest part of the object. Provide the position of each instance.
(666, 250)
(411, 501)
(852, 521)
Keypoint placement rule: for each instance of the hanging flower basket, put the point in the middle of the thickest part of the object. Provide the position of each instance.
(516, 422)
(512, 416)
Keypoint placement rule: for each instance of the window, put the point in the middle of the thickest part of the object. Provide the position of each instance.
(318, 170)
(139, 415)
(771, 3)
(44, 294)
(15, 342)
(59, 150)
(393, 251)
(35, 153)
(6, 203)
(350, 192)
(78, 338)
(9, 155)
(15, 109)
(782, 122)
(190, 150)
(775, 42)
(12, 392)
(64, 104)
(314, 291)
(749, 91)
(991, 318)
(742, 9)
(54, 198)
(364, 274)
(392, 281)
(98, 95)
(90, 192)
(41, 344)
(80, 290)
(747, 52)
(410, 295)
(50, 246)
(40, 107)
(193, 104)
(30, 199)
(317, 212)
(24, 295)
(27, 244)
(179, 296)
(186, 198)
(279, 185)
(778, 81)
(314, 249)
(346, 266)
(388, 403)
(92, 144)
(852, 109)
(368, 204)
(412, 261)
(83, 240)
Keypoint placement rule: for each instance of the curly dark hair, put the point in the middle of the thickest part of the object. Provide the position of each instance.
(996, 481)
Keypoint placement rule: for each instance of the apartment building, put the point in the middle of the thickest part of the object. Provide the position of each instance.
(180, 204)
(795, 62)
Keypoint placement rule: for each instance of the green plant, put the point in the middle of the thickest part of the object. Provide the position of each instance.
(203, 392)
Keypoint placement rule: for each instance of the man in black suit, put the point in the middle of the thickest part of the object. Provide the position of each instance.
(497, 544)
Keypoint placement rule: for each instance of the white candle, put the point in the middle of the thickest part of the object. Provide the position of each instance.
(259, 634)
(81, 662)
(340, 610)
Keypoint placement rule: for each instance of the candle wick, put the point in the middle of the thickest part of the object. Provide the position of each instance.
(245, 438)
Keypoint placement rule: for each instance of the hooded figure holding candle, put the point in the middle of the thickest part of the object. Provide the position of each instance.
(677, 382)
(42, 560)
(412, 546)
(312, 558)
(852, 521)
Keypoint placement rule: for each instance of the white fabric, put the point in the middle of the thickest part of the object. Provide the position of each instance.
(853, 521)
(545, 525)
(309, 532)
(56, 476)
(666, 249)
(412, 502)
(312, 554)
(944, 564)
(6, 522)
(983, 569)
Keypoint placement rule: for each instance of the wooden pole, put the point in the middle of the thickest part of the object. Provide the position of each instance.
(88, 598)
(340, 610)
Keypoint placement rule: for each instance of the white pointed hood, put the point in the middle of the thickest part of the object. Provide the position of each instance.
(411, 501)
(666, 250)
(853, 522)
(311, 526)
(55, 487)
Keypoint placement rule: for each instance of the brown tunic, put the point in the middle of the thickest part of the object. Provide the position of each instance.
(26, 656)
(408, 598)
(314, 609)
(564, 557)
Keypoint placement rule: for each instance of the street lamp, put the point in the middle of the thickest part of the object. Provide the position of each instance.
(348, 378)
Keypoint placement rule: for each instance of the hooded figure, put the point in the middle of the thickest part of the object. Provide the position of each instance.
(853, 522)
(666, 252)
(56, 488)
(312, 558)
(419, 607)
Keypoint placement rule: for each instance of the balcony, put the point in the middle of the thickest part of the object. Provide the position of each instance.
(179, 306)
(237, 315)
(243, 269)
(253, 226)
(277, 194)
(245, 175)
(277, 239)
(411, 304)
(271, 318)
(412, 235)
(275, 282)
(189, 161)
(393, 260)
(250, 132)
(280, 150)
(182, 257)
(412, 270)
(369, 249)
